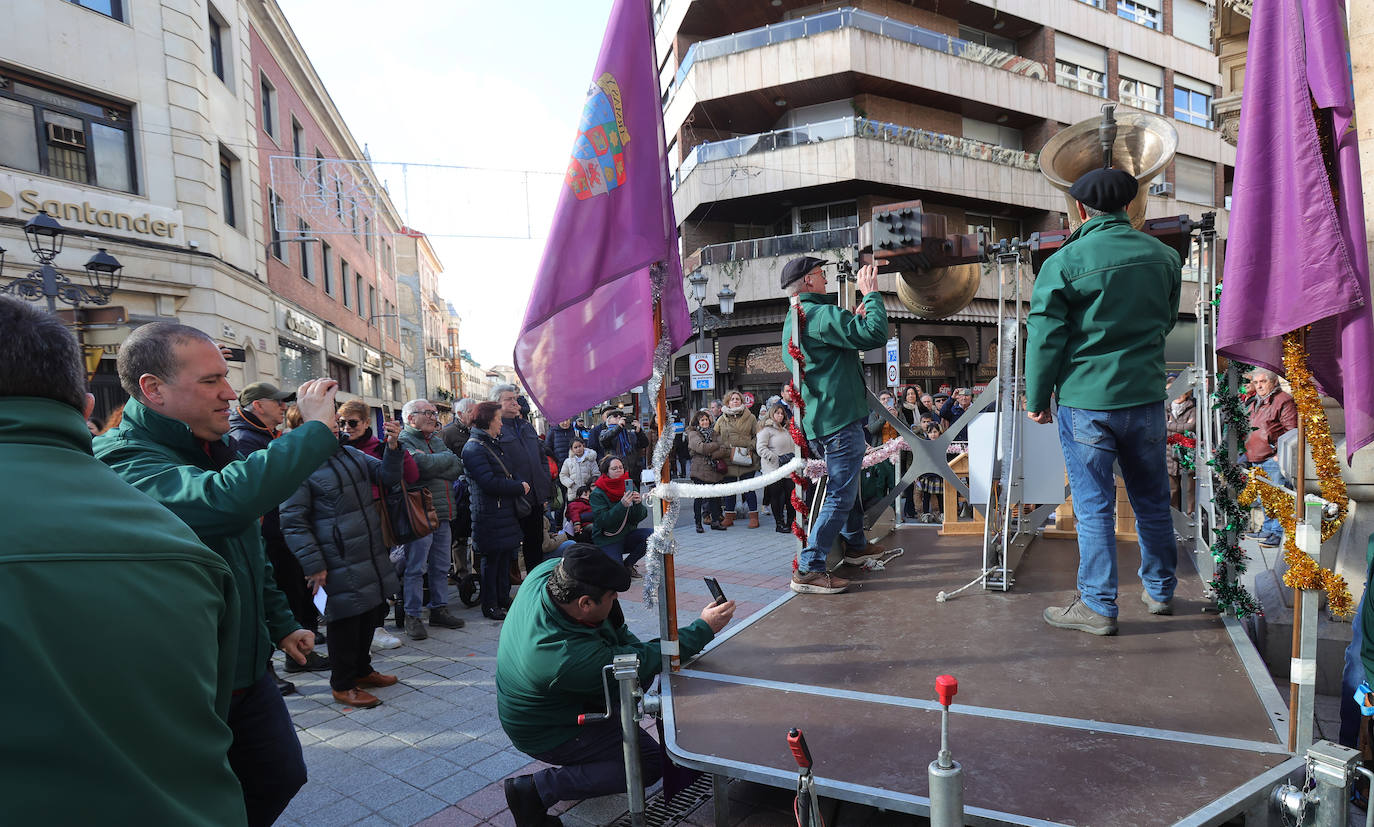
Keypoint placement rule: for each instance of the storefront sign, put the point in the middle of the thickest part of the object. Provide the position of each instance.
(92, 210)
(303, 326)
(372, 358)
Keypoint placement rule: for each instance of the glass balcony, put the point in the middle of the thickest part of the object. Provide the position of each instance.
(852, 127)
(856, 19)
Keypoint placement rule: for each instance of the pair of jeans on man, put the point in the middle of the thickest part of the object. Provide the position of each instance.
(427, 555)
(1272, 529)
(1092, 443)
(841, 513)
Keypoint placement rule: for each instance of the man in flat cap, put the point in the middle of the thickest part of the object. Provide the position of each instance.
(836, 410)
(1101, 308)
(564, 626)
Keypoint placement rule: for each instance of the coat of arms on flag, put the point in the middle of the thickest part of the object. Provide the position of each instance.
(598, 158)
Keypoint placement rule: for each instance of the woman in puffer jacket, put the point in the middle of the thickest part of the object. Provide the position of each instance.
(776, 448)
(334, 528)
(737, 427)
(493, 491)
(705, 451)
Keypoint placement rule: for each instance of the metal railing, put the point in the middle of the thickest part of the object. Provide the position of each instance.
(778, 245)
(852, 127)
(857, 19)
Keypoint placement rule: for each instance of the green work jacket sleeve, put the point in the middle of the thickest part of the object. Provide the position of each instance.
(836, 326)
(583, 676)
(1047, 333)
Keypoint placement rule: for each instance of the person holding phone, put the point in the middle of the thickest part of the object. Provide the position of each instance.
(617, 511)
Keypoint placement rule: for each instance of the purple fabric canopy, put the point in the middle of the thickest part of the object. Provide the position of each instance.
(588, 332)
(1296, 254)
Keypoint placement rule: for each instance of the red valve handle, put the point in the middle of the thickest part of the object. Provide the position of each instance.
(797, 742)
(946, 686)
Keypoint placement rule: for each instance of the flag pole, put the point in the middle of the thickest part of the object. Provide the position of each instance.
(1299, 487)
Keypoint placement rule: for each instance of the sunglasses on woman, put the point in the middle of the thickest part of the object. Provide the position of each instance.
(349, 423)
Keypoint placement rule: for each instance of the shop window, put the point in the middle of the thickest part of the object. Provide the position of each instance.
(297, 364)
(342, 373)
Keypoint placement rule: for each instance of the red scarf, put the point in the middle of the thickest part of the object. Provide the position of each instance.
(615, 489)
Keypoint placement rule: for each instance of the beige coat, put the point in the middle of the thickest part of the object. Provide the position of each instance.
(704, 456)
(773, 441)
(739, 430)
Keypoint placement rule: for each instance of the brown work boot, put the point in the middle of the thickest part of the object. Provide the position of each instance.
(358, 698)
(817, 582)
(753, 519)
(872, 551)
(728, 520)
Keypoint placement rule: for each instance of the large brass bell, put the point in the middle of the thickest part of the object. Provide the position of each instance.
(1144, 145)
(939, 291)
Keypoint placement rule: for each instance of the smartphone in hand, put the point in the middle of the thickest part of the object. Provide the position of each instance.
(715, 589)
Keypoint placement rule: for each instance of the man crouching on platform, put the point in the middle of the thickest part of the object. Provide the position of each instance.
(564, 626)
(1100, 310)
(834, 397)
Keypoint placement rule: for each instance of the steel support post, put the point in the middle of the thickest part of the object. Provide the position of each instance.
(625, 669)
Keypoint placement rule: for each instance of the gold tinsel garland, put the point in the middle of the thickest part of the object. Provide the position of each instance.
(1303, 571)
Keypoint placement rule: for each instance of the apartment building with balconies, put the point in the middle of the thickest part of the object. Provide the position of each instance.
(329, 226)
(424, 319)
(787, 122)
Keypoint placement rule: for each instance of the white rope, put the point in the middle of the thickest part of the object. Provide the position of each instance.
(696, 491)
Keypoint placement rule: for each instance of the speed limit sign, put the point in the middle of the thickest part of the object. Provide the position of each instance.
(748, 399)
(892, 351)
(703, 371)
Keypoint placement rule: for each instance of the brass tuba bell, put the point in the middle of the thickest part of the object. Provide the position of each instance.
(1136, 142)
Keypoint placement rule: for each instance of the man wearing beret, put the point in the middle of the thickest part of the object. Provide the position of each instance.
(1100, 310)
(835, 397)
(564, 626)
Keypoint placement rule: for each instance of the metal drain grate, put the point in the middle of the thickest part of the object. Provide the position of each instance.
(658, 813)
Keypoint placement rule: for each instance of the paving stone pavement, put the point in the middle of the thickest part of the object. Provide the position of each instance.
(433, 753)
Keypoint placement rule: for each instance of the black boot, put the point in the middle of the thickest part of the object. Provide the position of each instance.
(284, 686)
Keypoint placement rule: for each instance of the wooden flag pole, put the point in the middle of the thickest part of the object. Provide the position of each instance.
(664, 477)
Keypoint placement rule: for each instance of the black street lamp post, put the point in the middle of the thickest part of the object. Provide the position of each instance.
(704, 319)
(45, 238)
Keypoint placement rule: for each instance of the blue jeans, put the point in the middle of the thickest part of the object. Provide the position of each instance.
(1134, 437)
(1271, 527)
(751, 498)
(841, 512)
(630, 548)
(1352, 675)
(427, 555)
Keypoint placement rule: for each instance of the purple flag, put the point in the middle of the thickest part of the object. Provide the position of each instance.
(588, 332)
(1297, 255)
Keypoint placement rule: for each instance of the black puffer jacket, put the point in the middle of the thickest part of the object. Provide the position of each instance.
(332, 523)
(495, 528)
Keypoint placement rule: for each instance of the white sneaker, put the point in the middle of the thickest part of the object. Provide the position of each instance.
(382, 639)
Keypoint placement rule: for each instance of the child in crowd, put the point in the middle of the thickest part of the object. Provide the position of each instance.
(579, 516)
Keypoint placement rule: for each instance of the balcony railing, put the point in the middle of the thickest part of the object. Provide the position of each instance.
(856, 19)
(778, 245)
(853, 127)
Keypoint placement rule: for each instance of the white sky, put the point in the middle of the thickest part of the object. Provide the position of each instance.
(468, 83)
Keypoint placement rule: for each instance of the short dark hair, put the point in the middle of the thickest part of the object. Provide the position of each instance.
(577, 440)
(39, 356)
(606, 463)
(565, 589)
(151, 349)
(484, 413)
(582, 489)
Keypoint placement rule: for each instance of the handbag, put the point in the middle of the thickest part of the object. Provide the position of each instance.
(740, 455)
(523, 506)
(407, 514)
(721, 467)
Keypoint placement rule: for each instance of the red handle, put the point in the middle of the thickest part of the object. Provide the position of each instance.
(797, 742)
(946, 686)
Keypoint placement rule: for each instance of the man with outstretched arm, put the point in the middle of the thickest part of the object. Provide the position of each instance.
(173, 446)
(1100, 310)
(835, 411)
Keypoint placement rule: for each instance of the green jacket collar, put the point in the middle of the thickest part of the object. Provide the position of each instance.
(32, 420)
(166, 431)
(1097, 223)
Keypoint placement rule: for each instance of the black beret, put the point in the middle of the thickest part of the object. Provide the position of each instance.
(1107, 189)
(588, 564)
(797, 268)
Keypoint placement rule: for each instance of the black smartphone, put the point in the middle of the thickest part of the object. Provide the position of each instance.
(716, 591)
(236, 354)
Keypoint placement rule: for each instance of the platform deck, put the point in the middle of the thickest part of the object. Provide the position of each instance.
(1160, 724)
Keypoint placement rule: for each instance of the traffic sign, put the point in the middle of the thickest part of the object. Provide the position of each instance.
(893, 373)
(748, 399)
(703, 367)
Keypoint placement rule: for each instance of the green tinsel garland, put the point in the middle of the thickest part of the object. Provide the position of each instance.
(1231, 515)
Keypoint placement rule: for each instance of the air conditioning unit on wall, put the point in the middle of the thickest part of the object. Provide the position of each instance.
(1162, 189)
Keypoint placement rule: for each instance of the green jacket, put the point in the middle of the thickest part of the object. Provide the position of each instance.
(834, 390)
(611, 521)
(119, 629)
(439, 467)
(1100, 310)
(158, 455)
(548, 666)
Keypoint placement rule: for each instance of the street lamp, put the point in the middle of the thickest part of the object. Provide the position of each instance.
(45, 237)
(704, 319)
